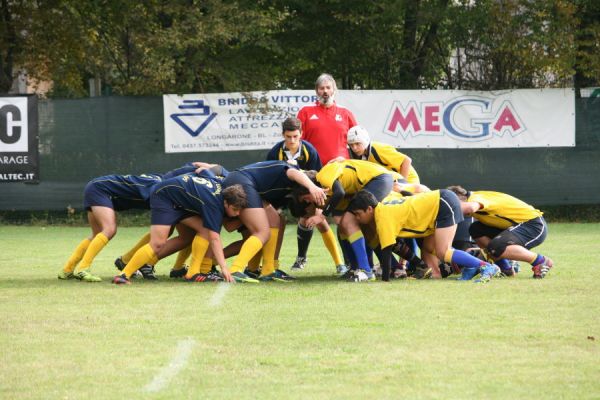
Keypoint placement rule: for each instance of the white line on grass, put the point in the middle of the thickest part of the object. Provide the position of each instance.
(162, 379)
(217, 297)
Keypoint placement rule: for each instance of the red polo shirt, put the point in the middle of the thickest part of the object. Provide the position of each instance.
(327, 129)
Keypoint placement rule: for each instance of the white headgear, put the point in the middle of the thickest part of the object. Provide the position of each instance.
(358, 134)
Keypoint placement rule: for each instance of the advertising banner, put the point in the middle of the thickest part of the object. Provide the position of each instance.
(19, 157)
(403, 118)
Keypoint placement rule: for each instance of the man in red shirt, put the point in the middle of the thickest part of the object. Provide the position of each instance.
(325, 125)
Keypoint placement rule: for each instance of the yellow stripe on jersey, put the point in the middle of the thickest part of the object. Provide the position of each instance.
(406, 217)
(390, 158)
(352, 174)
(502, 210)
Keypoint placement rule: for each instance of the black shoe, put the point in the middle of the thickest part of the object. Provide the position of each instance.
(214, 276)
(121, 280)
(347, 275)
(445, 269)
(196, 278)
(252, 274)
(120, 264)
(178, 273)
(148, 272)
(421, 272)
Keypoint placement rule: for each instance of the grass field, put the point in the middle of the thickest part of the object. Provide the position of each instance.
(316, 338)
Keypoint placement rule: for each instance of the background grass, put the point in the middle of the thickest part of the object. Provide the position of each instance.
(315, 338)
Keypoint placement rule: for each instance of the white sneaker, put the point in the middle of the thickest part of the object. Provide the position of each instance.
(360, 276)
(300, 263)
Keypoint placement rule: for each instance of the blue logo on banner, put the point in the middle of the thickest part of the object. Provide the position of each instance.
(204, 111)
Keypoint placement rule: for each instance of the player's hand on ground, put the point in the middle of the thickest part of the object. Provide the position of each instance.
(227, 275)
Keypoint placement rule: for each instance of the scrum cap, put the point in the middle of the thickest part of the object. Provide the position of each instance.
(358, 134)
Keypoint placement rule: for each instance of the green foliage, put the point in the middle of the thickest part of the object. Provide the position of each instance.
(187, 46)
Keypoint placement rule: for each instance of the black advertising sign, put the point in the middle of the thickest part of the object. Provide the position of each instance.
(19, 157)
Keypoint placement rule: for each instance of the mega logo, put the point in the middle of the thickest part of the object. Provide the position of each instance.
(469, 118)
(196, 119)
(13, 125)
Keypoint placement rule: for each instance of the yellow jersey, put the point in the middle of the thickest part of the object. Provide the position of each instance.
(353, 175)
(502, 210)
(387, 156)
(406, 217)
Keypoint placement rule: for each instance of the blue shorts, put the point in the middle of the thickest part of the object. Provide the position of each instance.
(164, 212)
(237, 178)
(449, 213)
(528, 234)
(97, 195)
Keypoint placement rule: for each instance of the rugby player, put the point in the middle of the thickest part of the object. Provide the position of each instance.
(344, 179)
(432, 216)
(507, 228)
(267, 185)
(198, 202)
(103, 196)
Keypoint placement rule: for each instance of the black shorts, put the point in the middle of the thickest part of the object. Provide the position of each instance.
(528, 234)
(449, 213)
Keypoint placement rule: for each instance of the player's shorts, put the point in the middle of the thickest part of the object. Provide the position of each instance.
(252, 195)
(164, 212)
(341, 207)
(380, 186)
(449, 213)
(528, 234)
(96, 194)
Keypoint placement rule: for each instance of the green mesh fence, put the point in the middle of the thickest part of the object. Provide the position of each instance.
(85, 138)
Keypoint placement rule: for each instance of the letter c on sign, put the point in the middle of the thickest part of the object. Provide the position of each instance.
(15, 135)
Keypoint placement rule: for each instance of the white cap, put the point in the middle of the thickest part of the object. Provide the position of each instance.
(358, 134)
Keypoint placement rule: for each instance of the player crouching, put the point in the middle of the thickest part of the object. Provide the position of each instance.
(507, 228)
(197, 202)
(432, 216)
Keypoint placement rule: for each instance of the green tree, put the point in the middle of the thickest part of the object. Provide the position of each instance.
(150, 47)
(191, 46)
(12, 15)
(510, 44)
(587, 35)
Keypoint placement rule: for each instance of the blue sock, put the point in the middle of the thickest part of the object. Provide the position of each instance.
(504, 264)
(360, 252)
(538, 260)
(348, 253)
(466, 260)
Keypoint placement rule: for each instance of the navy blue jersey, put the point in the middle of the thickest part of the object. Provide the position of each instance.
(126, 188)
(185, 169)
(270, 179)
(190, 193)
(307, 160)
(190, 168)
(123, 192)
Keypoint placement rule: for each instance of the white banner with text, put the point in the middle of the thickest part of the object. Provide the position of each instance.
(402, 118)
